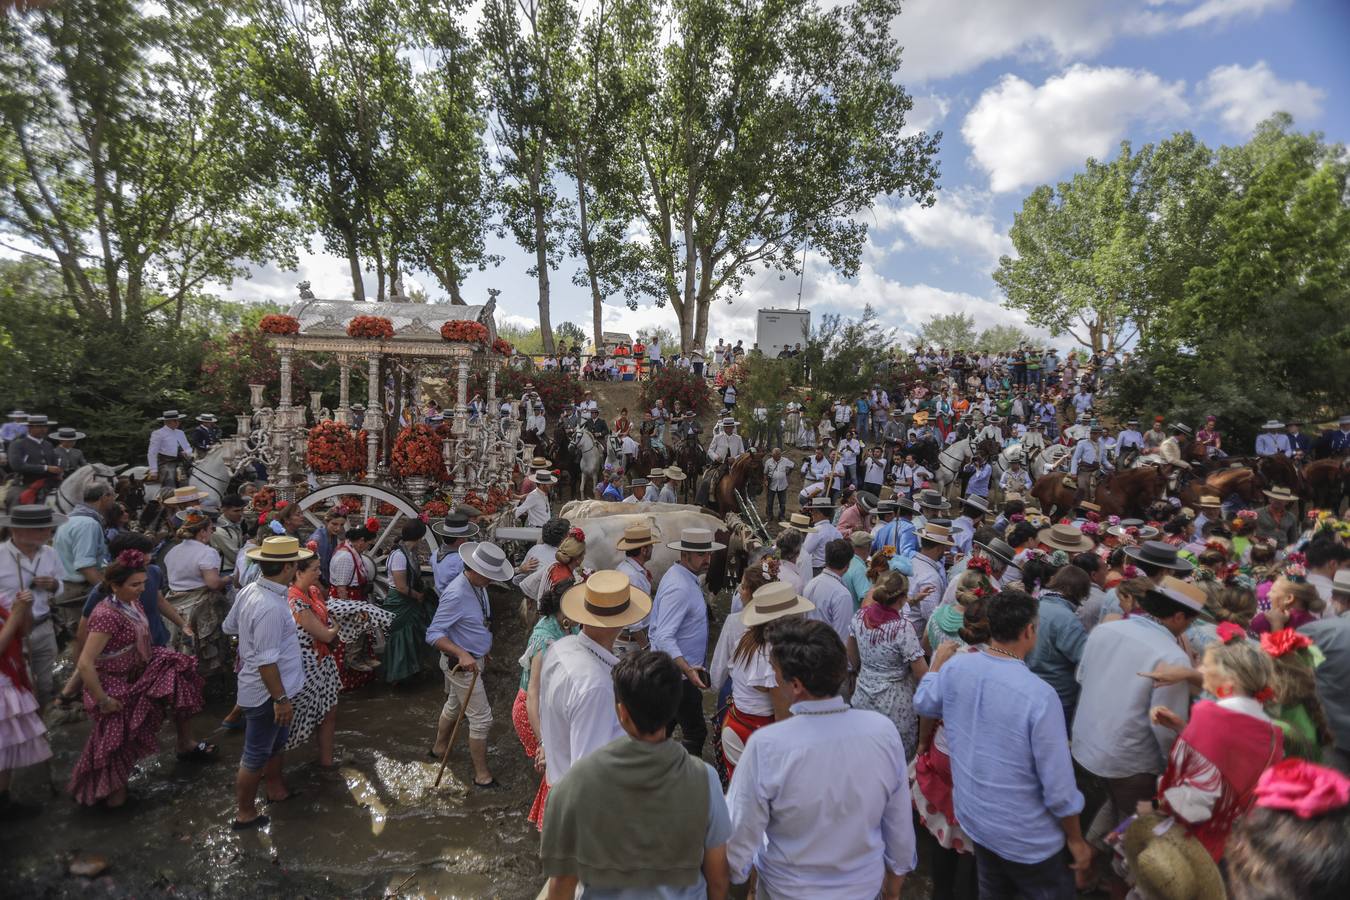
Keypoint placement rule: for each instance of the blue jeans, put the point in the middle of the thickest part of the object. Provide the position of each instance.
(1049, 879)
(864, 420)
(263, 737)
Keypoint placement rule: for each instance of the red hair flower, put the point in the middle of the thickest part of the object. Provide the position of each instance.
(981, 564)
(132, 559)
(1229, 632)
(576, 534)
(1287, 640)
(1302, 788)
(1265, 695)
(372, 525)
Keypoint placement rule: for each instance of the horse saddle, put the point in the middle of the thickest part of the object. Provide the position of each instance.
(1071, 482)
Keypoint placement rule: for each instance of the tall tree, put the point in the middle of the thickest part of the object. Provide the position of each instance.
(128, 154)
(1001, 339)
(524, 45)
(767, 125)
(1100, 255)
(953, 331)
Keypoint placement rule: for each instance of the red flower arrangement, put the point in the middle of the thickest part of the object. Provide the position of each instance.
(465, 330)
(264, 499)
(329, 449)
(671, 384)
(1287, 640)
(496, 499)
(372, 327)
(349, 504)
(436, 509)
(417, 453)
(386, 509)
(503, 346)
(278, 323)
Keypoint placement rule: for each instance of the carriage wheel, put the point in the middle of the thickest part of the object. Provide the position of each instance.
(314, 504)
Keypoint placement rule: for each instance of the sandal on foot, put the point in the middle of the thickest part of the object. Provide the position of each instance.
(487, 785)
(203, 752)
(259, 821)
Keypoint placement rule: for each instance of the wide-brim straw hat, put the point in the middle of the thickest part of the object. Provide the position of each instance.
(1272, 425)
(1341, 583)
(607, 600)
(540, 462)
(1089, 506)
(656, 473)
(170, 415)
(184, 495)
(487, 559)
(774, 601)
(937, 534)
(1183, 592)
(635, 536)
(279, 548)
(820, 502)
(1064, 537)
(31, 515)
(1209, 501)
(675, 473)
(1279, 492)
(543, 477)
(799, 522)
(696, 540)
(1157, 553)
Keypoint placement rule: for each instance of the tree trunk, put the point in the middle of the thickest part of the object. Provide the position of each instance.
(541, 261)
(704, 298)
(588, 252)
(354, 262)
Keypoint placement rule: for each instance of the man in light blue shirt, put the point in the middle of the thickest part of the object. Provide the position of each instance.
(1020, 804)
(1061, 636)
(461, 629)
(82, 543)
(855, 577)
(679, 627)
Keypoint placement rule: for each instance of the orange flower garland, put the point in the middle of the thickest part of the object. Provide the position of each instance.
(496, 500)
(464, 330)
(417, 453)
(277, 323)
(329, 449)
(503, 346)
(373, 327)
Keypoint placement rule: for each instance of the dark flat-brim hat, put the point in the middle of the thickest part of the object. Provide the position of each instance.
(931, 499)
(31, 515)
(455, 525)
(975, 502)
(66, 434)
(1159, 554)
(999, 549)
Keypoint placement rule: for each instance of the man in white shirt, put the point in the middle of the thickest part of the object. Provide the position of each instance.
(843, 414)
(833, 599)
(636, 544)
(820, 804)
(777, 468)
(816, 469)
(28, 563)
(1272, 441)
(168, 450)
(849, 450)
(1017, 480)
(638, 486)
(534, 509)
(271, 671)
(576, 688)
(1130, 437)
(726, 444)
(629, 448)
(929, 581)
(821, 511)
(1089, 456)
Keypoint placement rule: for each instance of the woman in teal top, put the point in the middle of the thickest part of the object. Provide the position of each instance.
(412, 602)
(551, 626)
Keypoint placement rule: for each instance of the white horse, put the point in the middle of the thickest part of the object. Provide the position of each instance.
(71, 492)
(951, 460)
(212, 473)
(1048, 460)
(591, 456)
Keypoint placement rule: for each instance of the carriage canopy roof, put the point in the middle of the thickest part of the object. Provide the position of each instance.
(411, 321)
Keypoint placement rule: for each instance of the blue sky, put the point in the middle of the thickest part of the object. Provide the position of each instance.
(1023, 91)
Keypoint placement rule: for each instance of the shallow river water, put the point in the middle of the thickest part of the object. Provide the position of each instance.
(374, 829)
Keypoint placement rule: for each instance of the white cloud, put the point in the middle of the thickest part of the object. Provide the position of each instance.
(949, 37)
(960, 221)
(1022, 134)
(1244, 97)
(927, 114)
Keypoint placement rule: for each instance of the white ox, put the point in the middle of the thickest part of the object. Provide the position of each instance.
(590, 509)
(604, 531)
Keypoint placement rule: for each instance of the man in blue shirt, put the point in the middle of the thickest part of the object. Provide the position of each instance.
(679, 627)
(1020, 805)
(461, 629)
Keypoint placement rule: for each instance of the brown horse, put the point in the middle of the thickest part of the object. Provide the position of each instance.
(1327, 482)
(1238, 480)
(1118, 494)
(745, 474)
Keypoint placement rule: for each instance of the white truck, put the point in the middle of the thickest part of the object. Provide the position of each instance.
(779, 328)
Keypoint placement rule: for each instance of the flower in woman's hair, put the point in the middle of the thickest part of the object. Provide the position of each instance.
(1247, 514)
(372, 525)
(132, 559)
(1286, 640)
(1265, 695)
(1017, 517)
(262, 518)
(1229, 632)
(576, 534)
(1305, 789)
(981, 564)
(1296, 572)
(1090, 527)
(276, 527)
(1113, 520)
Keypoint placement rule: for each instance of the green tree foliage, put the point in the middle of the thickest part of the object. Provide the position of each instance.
(847, 356)
(1001, 339)
(1261, 326)
(129, 154)
(954, 331)
(1101, 255)
(768, 383)
(764, 126)
(569, 333)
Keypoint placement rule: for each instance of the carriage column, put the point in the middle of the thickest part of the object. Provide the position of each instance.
(371, 423)
(344, 389)
(283, 420)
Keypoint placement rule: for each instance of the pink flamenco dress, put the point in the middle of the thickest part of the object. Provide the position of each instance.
(148, 681)
(23, 737)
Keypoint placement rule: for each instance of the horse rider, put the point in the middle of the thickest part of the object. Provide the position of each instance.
(1154, 437)
(169, 453)
(1300, 445)
(1338, 441)
(725, 446)
(1089, 457)
(1079, 431)
(992, 431)
(16, 426)
(1016, 480)
(69, 457)
(34, 462)
(206, 435)
(659, 416)
(597, 426)
(1272, 441)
